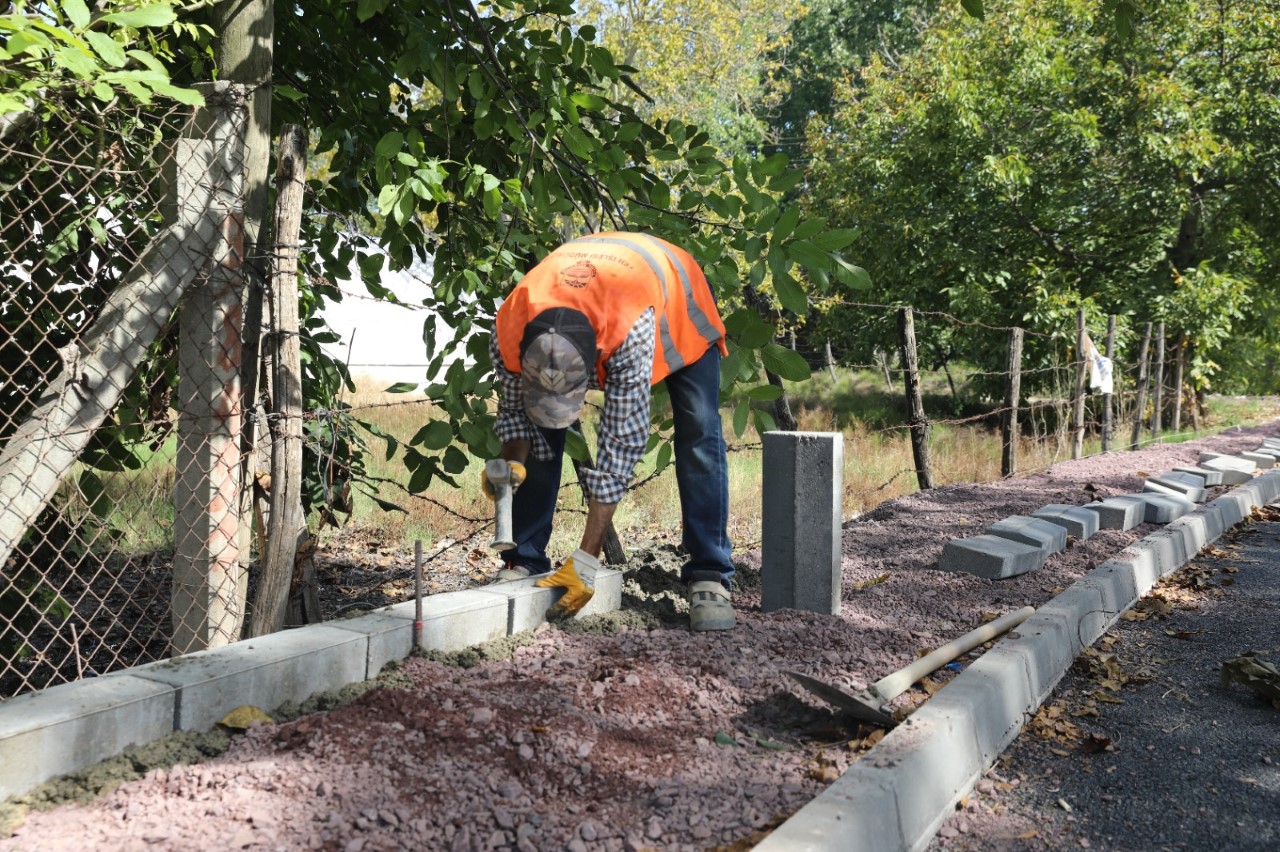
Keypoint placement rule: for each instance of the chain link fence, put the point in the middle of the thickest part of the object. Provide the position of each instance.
(119, 354)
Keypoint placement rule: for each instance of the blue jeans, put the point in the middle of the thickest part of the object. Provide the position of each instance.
(702, 477)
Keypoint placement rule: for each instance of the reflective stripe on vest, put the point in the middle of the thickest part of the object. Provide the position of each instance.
(700, 321)
(669, 351)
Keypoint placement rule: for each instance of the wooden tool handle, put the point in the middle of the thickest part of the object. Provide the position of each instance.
(892, 685)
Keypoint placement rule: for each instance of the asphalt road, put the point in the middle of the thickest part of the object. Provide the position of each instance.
(1140, 747)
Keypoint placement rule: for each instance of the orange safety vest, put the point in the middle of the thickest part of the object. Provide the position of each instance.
(613, 278)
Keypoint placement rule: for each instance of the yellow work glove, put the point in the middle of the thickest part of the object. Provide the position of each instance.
(517, 476)
(577, 576)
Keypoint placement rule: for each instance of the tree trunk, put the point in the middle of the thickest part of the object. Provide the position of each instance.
(919, 424)
(1013, 391)
(244, 53)
(1141, 403)
(1179, 359)
(1157, 414)
(286, 527)
(1082, 373)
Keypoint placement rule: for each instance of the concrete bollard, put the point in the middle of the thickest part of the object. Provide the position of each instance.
(801, 516)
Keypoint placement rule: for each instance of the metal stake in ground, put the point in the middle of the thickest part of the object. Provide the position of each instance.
(417, 594)
(868, 705)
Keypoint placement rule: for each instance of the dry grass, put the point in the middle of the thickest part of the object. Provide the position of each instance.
(878, 466)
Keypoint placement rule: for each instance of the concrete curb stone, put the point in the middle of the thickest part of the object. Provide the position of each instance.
(71, 726)
(962, 729)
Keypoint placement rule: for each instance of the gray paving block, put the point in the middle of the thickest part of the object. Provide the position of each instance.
(526, 604)
(608, 596)
(1120, 578)
(1084, 612)
(1139, 563)
(1050, 638)
(999, 703)
(934, 759)
(1167, 552)
(1270, 484)
(1192, 483)
(1196, 531)
(1163, 508)
(1271, 443)
(390, 638)
(1078, 521)
(456, 620)
(1162, 485)
(1261, 460)
(265, 672)
(991, 556)
(1234, 508)
(858, 812)
(1223, 460)
(1209, 477)
(1234, 470)
(1036, 532)
(1210, 519)
(1119, 513)
(68, 727)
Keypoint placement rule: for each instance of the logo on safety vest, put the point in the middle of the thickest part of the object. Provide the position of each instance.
(577, 276)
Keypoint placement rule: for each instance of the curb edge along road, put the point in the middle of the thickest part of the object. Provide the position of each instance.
(899, 794)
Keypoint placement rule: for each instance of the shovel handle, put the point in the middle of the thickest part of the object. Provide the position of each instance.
(892, 685)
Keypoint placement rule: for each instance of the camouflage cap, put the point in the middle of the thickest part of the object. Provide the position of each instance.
(557, 355)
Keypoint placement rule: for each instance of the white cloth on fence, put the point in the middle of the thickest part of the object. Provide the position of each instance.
(1100, 374)
(1099, 367)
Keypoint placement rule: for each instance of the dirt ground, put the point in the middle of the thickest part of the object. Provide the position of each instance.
(624, 732)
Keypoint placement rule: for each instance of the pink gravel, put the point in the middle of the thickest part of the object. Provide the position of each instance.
(644, 738)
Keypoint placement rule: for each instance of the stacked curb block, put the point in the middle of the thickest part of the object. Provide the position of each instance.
(899, 794)
(72, 726)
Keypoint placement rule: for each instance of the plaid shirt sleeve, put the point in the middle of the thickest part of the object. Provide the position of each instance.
(624, 426)
(513, 424)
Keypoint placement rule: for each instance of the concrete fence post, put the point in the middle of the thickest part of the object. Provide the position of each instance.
(801, 516)
(207, 602)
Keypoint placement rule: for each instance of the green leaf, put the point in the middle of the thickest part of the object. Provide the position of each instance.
(576, 446)
(765, 393)
(77, 62)
(723, 739)
(111, 51)
(158, 15)
(455, 460)
(402, 387)
(786, 224)
(784, 362)
(808, 255)
(790, 293)
(663, 459)
(183, 96)
(385, 505)
(389, 145)
(764, 742)
(854, 276)
(835, 239)
(974, 8)
(588, 101)
(763, 421)
(77, 13)
(740, 415)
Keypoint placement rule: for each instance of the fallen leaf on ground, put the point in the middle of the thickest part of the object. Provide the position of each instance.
(1257, 674)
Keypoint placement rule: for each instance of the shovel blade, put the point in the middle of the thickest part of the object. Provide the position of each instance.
(862, 710)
